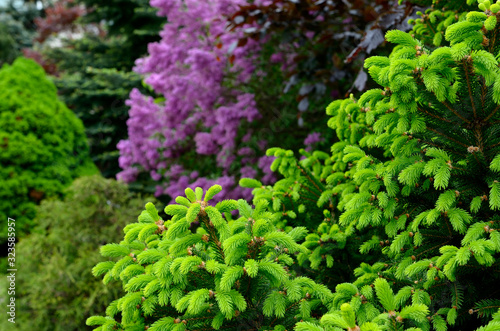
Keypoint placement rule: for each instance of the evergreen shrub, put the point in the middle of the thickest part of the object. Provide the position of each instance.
(415, 170)
(16, 28)
(42, 144)
(94, 73)
(197, 270)
(396, 229)
(55, 287)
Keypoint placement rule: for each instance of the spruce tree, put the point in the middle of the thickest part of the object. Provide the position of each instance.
(202, 270)
(411, 187)
(417, 169)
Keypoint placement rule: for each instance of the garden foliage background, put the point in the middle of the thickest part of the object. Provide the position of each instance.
(380, 213)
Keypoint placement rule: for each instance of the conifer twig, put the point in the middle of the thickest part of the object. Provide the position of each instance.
(274, 320)
(470, 89)
(452, 139)
(307, 189)
(492, 114)
(429, 249)
(455, 112)
(444, 148)
(432, 235)
(493, 40)
(213, 235)
(433, 115)
(309, 178)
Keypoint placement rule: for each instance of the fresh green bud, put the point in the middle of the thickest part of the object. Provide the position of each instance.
(271, 151)
(250, 183)
(280, 153)
(438, 37)
(348, 315)
(495, 8)
(183, 201)
(152, 211)
(490, 22)
(476, 17)
(199, 193)
(190, 194)
(482, 7)
(212, 191)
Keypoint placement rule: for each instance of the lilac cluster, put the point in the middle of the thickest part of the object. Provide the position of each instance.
(200, 72)
(311, 140)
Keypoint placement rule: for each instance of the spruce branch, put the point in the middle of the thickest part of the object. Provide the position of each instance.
(433, 248)
(448, 137)
(466, 65)
(213, 236)
(433, 115)
(492, 114)
(455, 112)
(304, 172)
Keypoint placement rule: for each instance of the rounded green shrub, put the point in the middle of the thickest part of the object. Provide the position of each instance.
(55, 287)
(42, 144)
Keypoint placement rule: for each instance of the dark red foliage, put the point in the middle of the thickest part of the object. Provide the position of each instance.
(343, 32)
(395, 18)
(47, 65)
(60, 17)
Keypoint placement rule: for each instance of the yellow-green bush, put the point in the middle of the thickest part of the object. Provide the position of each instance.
(42, 144)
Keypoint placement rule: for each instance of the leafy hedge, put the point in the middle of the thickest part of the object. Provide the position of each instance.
(55, 289)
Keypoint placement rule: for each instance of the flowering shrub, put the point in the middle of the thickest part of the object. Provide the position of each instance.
(190, 68)
(218, 71)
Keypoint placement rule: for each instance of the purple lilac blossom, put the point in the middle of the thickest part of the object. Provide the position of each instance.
(188, 67)
(311, 140)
